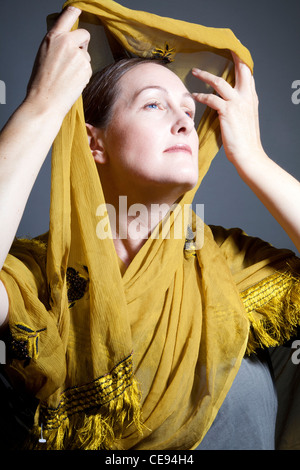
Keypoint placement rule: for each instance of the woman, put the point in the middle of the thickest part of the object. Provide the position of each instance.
(188, 336)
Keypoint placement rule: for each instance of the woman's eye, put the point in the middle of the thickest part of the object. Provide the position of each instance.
(153, 105)
(190, 114)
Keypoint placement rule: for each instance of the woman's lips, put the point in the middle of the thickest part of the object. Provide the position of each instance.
(179, 148)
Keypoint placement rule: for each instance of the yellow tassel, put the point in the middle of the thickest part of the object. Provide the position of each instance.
(93, 429)
(273, 308)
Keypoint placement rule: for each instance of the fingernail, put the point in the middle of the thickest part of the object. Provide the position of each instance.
(70, 7)
(195, 70)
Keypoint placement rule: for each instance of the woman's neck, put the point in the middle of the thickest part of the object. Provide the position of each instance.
(133, 225)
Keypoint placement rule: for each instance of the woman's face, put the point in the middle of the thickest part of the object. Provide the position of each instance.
(151, 145)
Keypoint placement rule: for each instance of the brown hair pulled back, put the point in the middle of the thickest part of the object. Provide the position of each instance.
(102, 90)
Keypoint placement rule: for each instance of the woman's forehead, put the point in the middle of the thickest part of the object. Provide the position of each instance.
(151, 75)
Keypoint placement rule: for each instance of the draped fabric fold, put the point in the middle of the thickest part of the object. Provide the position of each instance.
(145, 359)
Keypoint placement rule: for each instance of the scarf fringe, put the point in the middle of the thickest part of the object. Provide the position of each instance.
(89, 430)
(276, 322)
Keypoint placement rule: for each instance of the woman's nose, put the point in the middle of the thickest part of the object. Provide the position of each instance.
(183, 124)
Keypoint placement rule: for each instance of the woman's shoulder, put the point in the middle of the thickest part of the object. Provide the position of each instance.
(37, 246)
(240, 248)
(28, 257)
(221, 234)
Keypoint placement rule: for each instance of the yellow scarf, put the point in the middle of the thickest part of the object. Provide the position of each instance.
(141, 359)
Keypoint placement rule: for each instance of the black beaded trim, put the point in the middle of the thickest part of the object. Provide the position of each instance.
(18, 349)
(76, 285)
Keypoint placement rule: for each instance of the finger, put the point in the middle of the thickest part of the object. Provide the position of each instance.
(81, 37)
(66, 20)
(84, 47)
(243, 74)
(213, 101)
(217, 83)
(87, 55)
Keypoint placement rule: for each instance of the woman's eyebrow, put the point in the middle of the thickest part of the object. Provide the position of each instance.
(158, 87)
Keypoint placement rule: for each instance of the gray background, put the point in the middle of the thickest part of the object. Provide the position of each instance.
(270, 29)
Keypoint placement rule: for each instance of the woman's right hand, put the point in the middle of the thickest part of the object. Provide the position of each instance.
(62, 67)
(61, 71)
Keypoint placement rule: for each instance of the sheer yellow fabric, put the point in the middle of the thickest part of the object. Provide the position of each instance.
(143, 358)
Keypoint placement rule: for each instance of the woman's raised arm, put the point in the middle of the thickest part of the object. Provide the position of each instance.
(61, 71)
(238, 113)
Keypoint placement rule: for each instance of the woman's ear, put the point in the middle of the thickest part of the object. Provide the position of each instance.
(96, 143)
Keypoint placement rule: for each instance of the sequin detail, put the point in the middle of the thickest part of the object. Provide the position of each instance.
(164, 54)
(76, 285)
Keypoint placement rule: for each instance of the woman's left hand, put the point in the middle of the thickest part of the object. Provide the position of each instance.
(238, 112)
(237, 108)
